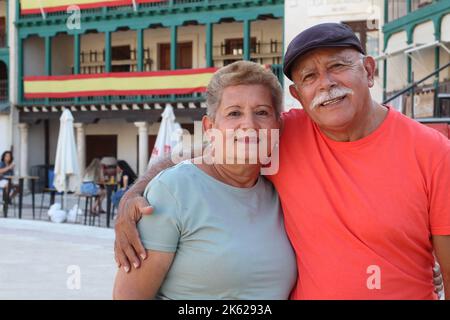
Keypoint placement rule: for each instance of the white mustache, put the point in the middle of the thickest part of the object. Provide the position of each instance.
(334, 93)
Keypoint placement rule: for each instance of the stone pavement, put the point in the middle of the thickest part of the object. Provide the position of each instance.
(44, 260)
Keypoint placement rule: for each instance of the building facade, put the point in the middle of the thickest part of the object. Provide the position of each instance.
(417, 59)
(116, 65)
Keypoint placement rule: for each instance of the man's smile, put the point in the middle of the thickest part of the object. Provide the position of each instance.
(332, 102)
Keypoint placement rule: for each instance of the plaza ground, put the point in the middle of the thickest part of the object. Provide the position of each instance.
(44, 260)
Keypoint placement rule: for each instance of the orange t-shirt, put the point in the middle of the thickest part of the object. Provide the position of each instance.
(360, 214)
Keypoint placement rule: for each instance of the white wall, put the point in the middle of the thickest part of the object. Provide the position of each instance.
(3, 8)
(422, 60)
(301, 14)
(126, 137)
(445, 58)
(423, 64)
(36, 145)
(62, 55)
(5, 133)
(396, 64)
(34, 56)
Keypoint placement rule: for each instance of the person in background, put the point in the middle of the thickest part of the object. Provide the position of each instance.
(125, 178)
(7, 170)
(109, 165)
(92, 179)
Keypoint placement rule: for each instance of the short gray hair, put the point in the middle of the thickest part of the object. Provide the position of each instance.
(242, 73)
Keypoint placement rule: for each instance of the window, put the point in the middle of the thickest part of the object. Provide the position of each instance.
(99, 146)
(417, 4)
(121, 53)
(235, 47)
(368, 34)
(121, 57)
(396, 9)
(2, 32)
(184, 55)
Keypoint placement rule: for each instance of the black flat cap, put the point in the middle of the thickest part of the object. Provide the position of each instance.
(320, 36)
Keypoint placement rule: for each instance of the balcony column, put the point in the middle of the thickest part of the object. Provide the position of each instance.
(81, 146)
(247, 39)
(143, 146)
(437, 65)
(76, 53)
(410, 81)
(409, 41)
(48, 60)
(76, 57)
(408, 6)
(23, 128)
(140, 49)
(173, 47)
(107, 51)
(386, 11)
(48, 56)
(209, 45)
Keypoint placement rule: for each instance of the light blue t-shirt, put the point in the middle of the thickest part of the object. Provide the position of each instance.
(229, 243)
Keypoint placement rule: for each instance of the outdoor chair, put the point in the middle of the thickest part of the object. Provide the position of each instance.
(89, 217)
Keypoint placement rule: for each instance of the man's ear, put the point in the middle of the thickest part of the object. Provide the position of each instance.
(294, 92)
(370, 65)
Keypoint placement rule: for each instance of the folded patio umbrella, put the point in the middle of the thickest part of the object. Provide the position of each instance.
(168, 135)
(67, 173)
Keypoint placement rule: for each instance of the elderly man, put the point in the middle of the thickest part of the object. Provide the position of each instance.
(364, 189)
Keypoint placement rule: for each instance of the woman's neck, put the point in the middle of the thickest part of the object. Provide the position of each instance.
(237, 175)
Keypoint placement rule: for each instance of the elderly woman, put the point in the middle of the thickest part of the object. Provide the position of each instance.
(217, 231)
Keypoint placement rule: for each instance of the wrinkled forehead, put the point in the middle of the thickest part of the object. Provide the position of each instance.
(323, 56)
(260, 94)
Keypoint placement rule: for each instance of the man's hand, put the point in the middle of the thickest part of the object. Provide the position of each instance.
(441, 246)
(437, 279)
(127, 245)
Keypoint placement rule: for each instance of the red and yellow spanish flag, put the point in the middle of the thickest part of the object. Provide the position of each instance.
(119, 84)
(37, 6)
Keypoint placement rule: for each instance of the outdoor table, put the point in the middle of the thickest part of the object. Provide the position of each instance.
(21, 180)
